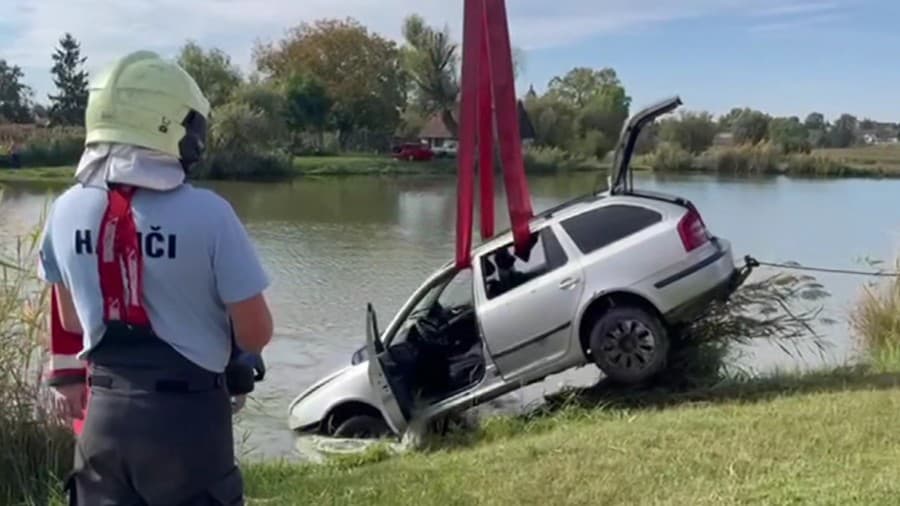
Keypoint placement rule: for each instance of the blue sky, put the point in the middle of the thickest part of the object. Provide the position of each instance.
(788, 57)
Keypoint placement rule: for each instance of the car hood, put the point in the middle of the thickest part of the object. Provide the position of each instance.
(348, 384)
(322, 382)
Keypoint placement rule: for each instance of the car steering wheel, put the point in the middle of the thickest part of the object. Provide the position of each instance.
(426, 328)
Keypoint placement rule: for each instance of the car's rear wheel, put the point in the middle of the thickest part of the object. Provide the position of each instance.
(362, 427)
(629, 344)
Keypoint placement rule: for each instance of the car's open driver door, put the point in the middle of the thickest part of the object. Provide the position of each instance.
(395, 411)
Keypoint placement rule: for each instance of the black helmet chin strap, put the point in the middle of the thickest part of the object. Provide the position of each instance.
(192, 146)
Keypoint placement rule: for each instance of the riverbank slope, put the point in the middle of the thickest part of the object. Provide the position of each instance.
(826, 439)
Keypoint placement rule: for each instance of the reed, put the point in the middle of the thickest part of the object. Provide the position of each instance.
(36, 445)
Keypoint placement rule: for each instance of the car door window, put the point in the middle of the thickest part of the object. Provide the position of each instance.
(603, 226)
(504, 271)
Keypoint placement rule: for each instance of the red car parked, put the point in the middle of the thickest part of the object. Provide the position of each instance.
(412, 152)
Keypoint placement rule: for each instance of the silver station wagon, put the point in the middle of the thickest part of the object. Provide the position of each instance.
(607, 278)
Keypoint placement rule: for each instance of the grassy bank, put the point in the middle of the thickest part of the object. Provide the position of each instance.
(828, 441)
(374, 164)
(537, 161)
(878, 160)
(36, 175)
(818, 438)
(766, 159)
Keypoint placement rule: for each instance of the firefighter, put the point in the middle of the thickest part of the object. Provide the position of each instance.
(166, 290)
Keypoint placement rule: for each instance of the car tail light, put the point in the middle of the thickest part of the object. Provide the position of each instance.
(692, 230)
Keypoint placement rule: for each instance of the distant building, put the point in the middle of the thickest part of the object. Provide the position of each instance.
(881, 137)
(723, 139)
(436, 134)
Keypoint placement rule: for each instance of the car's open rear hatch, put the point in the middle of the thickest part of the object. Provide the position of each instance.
(621, 175)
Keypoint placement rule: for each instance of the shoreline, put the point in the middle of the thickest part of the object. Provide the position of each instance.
(359, 167)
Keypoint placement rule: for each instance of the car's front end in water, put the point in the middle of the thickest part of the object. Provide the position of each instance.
(309, 411)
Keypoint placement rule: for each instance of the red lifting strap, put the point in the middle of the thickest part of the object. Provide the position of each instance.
(120, 262)
(488, 94)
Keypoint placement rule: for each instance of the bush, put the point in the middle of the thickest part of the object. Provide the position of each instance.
(669, 157)
(41, 147)
(541, 159)
(593, 143)
(814, 165)
(245, 143)
(244, 165)
(759, 158)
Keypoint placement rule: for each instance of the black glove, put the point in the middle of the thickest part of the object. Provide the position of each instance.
(255, 362)
(243, 371)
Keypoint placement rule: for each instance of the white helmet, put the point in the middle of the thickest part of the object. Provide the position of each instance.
(146, 101)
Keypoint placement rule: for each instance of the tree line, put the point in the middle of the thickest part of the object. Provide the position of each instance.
(332, 85)
(67, 105)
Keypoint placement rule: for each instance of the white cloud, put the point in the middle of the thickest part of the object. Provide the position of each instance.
(798, 8)
(110, 28)
(795, 24)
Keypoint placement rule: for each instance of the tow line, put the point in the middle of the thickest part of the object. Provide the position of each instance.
(798, 267)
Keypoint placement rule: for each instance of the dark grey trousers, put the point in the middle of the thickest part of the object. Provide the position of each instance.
(158, 432)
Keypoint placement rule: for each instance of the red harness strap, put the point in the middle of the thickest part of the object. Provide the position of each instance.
(120, 262)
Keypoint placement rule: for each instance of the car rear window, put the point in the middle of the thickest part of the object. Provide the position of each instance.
(603, 226)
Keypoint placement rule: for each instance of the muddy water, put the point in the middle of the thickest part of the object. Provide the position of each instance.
(332, 245)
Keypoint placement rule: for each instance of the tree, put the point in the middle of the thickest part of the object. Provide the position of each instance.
(213, 71)
(432, 61)
(789, 134)
(604, 113)
(815, 121)
(361, 71)
(750, 126)
(71, 80)
(268, 100)
(553, 120)
(843, 133)
(306, 104)
(581, 84)
(726, 122)
(693, 131)
(598, 103)
(14, 96)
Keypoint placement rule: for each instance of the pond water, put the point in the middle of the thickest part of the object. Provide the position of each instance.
(332, 245)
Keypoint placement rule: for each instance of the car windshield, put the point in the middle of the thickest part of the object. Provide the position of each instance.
(457, 291)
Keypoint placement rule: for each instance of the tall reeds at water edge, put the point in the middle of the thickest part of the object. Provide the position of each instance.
(876, 321)
(35, 445)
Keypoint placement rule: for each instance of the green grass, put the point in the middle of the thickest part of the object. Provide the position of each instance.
(372, 164)
(38, 174)
(828, 438)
